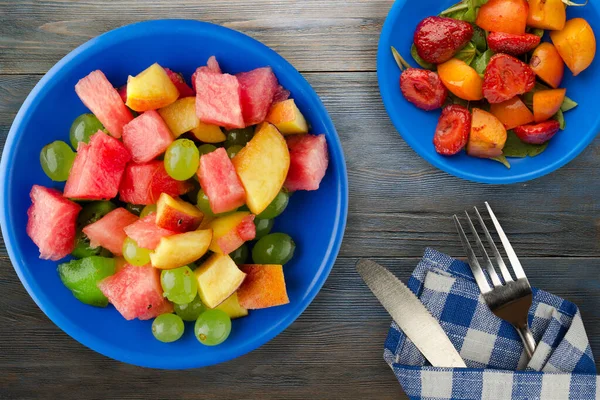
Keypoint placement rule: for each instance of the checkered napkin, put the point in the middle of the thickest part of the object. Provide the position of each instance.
(562, 366)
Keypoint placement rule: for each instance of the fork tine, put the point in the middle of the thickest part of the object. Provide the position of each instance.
(488, 263)
(497, 255)
(480, 278)
(514, 261)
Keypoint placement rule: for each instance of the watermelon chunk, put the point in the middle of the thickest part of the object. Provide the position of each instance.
(97, 93)
(308, 161)
(180, 84)
(143, 183)
(218, 99)
(211, 66)
(220, 182)
(257, 90)
(51, 222)
(97, 169)
(282, 94)
(147, 136)
(136, 292)
(245, 231)
(109, 232)
(145, 232)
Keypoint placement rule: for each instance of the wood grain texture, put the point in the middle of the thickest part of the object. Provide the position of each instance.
(399, 205)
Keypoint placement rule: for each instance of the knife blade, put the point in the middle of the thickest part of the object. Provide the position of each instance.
(410, 315)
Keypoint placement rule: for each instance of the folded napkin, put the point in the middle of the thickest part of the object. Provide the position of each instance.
(562, 366)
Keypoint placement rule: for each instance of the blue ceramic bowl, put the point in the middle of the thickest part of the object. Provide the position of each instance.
(417, 126)
(316, 220)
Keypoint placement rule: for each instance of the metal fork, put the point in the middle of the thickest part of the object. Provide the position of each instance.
(509, 299)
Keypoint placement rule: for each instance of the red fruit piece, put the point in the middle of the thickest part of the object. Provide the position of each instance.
(97, 169)
(506, 77)
(145, 232)
(99, 95)
(512, 44)
(308, 162)
(180, 84)
(220, 182)
(423, 88)
(136, 292)
(257, 90)
(218, 99)
(211, 66)
(108, 231)
(282, 94)
(245, 231)
(537, 133)
(438, 39)
(51, 222)
(146, 137)
(123, 93)
(143, 183)
(452, 132)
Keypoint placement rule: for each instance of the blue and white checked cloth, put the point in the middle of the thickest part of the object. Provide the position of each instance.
(562, 367)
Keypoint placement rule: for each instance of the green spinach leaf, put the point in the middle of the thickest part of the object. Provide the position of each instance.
(419, 60)
(481, 61)
(467, 54)
(514, 147)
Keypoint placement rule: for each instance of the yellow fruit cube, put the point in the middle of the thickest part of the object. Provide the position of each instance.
(208, 133)
(180, 116)
(150, 89)
(232, 307)
(218, 278)
(286, 116)
(179, 250)
(222, 226)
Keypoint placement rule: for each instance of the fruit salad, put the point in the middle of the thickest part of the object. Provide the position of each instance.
(486, 64)
(171, 196)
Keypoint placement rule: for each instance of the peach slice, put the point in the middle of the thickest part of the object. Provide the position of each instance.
(512, 113)
(264, 287)
(180, 116)
(262, 166)
(218, 278)
(461, 79)
(177, 215)
(150, 89)
(208, 133)
(231, 231)
(576, 44)
(232, 307)
(547, 14)
(508, 16)
(286, 116)
(546, 103)
(488, 135)
(181, 249)
(548, 64)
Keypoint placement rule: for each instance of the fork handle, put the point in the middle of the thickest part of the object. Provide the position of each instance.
(527, 339)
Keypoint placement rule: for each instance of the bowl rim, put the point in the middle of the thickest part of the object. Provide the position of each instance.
(385, 89)
(106, 348)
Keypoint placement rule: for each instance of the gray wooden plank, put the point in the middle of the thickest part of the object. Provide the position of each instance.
(399, 204)
(333, 351)
(335, 35)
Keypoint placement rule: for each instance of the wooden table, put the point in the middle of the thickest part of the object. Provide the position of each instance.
(399, 205)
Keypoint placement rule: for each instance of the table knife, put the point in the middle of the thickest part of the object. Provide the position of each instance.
(410, 315)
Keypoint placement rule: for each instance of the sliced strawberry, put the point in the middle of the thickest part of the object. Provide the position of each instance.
(512, 44)
(438, 39)
(506, 77)
(423, 88)
(537, 133)
(452, 132)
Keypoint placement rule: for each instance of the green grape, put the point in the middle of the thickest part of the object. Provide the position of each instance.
(206, 148)
(151, 208)
(57, 159)
(240, 255)
(93, 212)
(239, 137)
(204, 205)
(233, 150)
(83, 128)
(179, 284)
(134, 254)
(212, 327)
(276, 207)
(182, 159)
(263, 227)
(134, 208)
(167, 328)
(275, 248)
(190, 311)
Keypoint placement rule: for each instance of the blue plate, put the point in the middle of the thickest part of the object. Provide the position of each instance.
(316, 220)
(417, 126)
